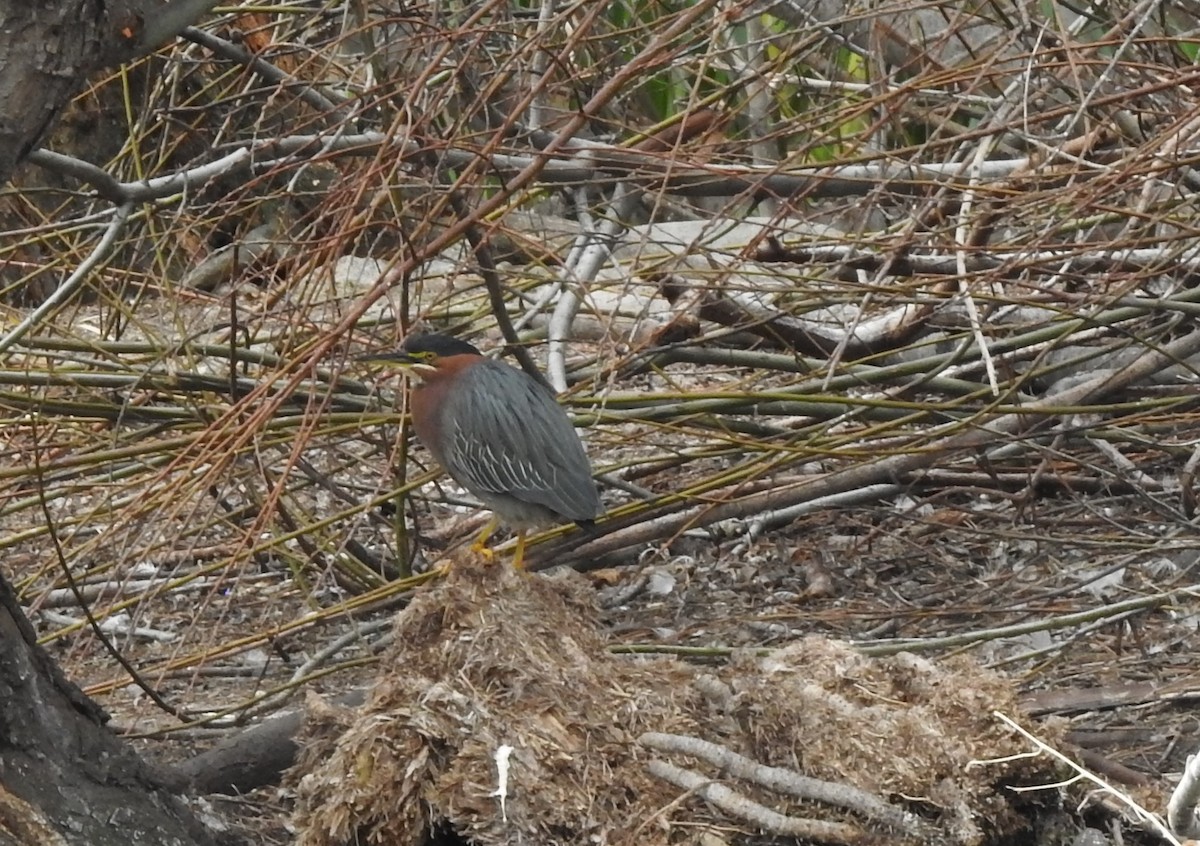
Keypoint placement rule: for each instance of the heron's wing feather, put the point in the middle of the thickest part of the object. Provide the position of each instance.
(509, 436)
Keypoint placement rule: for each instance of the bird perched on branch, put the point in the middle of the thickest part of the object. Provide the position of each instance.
(500, 434)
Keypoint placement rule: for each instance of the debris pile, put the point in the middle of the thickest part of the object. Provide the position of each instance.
(501, 717)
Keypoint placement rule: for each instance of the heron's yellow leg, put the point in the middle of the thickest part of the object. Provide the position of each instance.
(480, 546)
(519, 555)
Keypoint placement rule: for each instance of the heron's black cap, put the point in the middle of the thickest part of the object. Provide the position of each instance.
(426, 348)
(438, 344)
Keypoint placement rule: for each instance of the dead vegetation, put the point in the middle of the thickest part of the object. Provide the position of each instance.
(499, 715)
(879, 320)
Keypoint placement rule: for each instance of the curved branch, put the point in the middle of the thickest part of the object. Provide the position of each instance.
(785, 781)
(764, 818)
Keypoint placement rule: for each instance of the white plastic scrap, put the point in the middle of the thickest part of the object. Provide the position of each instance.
(501, 790)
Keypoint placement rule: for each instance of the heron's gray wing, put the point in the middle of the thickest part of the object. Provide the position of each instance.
(509, 436)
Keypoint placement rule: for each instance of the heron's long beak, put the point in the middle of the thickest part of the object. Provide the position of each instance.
(399, 357)
(406, 363)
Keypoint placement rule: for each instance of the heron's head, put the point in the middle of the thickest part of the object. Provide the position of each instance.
(422, 355)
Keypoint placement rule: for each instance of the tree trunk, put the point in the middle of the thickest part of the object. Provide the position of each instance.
(55, 754)
(46, 50)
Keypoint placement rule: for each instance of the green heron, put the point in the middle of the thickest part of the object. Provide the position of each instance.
(500, 434)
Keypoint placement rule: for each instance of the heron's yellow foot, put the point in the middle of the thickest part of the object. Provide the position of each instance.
(485, 552)
(480, 547)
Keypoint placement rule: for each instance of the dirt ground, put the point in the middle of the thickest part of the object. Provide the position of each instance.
(1071, 575)
(918, 570)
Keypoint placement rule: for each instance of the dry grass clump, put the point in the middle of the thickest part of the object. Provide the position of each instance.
(897, 727)
(488, 658)
(484, 659)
